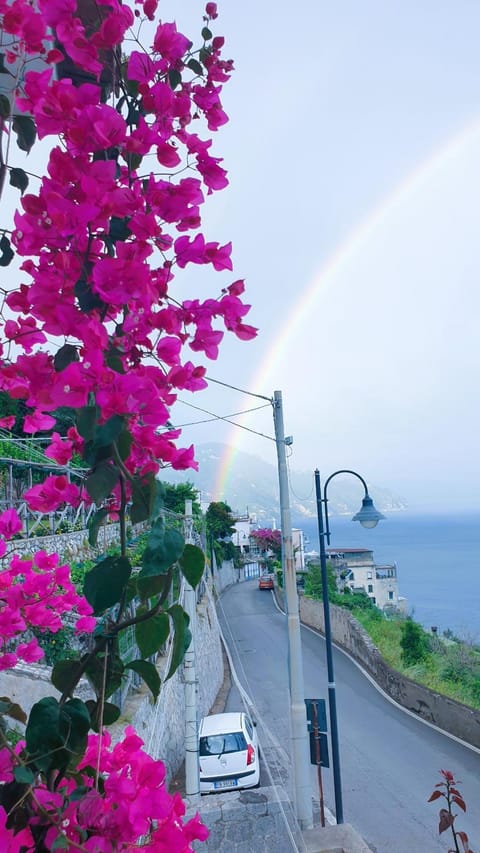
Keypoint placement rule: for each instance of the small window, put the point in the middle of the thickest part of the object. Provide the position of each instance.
(390, 595)
(369, 576)
(370, 587)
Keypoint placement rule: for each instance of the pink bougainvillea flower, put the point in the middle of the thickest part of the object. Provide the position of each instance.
(211, 10)
(38, 422)
(61, 450)
(14, 843)
(52, 493)
(169, 43)
(7, 422)
(10, 523)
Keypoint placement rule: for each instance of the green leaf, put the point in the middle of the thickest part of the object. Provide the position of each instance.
(63, 674)
(180, 623)
(102, 481)
(148, 672)
(124, 444)
(113, 360)
(195, 66)
(109, 431)
(26, 132)
(147, 587)
(104, 584)
(152, 634)
(94, 525)
(140, 506)
(87, 418)
(164, 547)
(174, 78)
(11, 709)
(74, 728)
(87, 299)
(119, 229)
(18, 178)
(157, 500)
(192, 564)
(6, 251)
(96, 676)
(64, 356)
(61, 843)
(23, 775)
(206, 34)
(111, 713)
(4, 106)
(42, 734)
(133, 160)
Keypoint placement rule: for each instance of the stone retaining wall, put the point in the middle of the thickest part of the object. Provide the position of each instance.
(453, 717)
(162, 726)
(70, 546)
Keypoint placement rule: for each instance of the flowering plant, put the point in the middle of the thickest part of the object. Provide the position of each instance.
(114, 219)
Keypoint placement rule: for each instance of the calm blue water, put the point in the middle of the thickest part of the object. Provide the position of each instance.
(438, 563)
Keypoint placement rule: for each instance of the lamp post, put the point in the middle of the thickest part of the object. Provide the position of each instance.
(368, 516)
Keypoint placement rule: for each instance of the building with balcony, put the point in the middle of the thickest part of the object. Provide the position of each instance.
(356, 569)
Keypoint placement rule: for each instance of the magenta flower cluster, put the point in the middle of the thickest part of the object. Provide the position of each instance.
(114, 220)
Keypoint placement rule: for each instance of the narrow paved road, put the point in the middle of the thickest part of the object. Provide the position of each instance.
(390, 760)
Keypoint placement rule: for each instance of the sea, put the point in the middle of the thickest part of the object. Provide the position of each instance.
(437, 559)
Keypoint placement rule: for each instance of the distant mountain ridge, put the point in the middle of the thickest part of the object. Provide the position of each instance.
(252, 486)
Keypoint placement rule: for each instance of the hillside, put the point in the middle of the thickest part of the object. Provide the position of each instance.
(252, 485)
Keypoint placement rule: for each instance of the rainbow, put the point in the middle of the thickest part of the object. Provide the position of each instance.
(343, 256)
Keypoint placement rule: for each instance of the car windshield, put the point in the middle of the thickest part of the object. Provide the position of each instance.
(223, 744)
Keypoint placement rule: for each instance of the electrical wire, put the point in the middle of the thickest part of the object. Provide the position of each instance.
(215, 417)
(228, 421)
(242, 390)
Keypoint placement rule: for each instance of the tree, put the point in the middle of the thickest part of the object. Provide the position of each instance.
(220, 526)
(220, 521)
(176, 495)
(313, 581)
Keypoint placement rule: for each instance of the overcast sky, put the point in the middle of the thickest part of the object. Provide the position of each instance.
(353, 153)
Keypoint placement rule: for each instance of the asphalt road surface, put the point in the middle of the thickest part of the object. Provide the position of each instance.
(390, 760)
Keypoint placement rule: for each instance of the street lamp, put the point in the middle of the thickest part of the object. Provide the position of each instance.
(368, 516)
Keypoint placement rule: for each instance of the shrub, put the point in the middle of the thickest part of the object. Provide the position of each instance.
(414, 643)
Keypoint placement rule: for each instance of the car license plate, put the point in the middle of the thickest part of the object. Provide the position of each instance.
(225, 783)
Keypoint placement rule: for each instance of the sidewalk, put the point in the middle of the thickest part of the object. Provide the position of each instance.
(334, 839)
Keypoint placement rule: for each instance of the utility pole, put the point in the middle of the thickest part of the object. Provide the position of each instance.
(192, 778)
(298, 717)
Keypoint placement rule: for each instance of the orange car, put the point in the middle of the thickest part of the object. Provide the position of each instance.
(265, 582)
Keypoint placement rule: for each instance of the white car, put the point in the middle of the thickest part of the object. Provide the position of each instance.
(228, 753)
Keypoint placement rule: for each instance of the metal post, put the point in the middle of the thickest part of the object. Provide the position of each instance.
(192, 779)
(300, 744)
(332, 700)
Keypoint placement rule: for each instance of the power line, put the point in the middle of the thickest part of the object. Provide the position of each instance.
(227, 420)
(242, 390)
(215, 417)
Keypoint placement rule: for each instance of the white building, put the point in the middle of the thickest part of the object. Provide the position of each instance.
(356, 569)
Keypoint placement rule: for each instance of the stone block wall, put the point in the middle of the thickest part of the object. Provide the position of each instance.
(70, 546)
(447, 714)
(162, 726)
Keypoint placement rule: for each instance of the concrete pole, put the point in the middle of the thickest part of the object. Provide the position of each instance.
(192, 779)
(298, 715)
